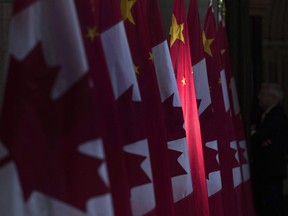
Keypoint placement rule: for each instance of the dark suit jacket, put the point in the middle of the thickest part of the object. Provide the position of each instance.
(269, 162)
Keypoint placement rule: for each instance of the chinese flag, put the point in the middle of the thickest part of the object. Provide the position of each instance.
(59, 125)
(247, 199)
(227, 147)
(180, 171)
(181, 59)
(134, 14)
(206, 114)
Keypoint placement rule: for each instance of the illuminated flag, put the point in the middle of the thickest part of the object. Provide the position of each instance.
(206, 115)
(181, 59)
(176, 137)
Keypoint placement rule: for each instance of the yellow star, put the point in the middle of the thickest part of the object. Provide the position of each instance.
(176, 31)
(92, 33)
(183, 81)
(223, 51)
(207, 43)
(136, 69)
(126, 6)
(151, 56)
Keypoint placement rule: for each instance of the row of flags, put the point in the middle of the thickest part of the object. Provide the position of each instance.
(103, 116)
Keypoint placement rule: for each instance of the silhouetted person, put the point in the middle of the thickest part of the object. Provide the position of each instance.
(268, 143)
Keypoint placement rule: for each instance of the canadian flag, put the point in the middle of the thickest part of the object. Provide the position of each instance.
(228, 152)
(59, 124)
(210, 142)
(246, 198)
(134, 14)
(180, 170)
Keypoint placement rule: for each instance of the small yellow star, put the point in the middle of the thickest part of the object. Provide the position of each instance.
(126, 7)
(207, 43)
(176, 31)
(223, 51)
(136, 69)
(151, 56)
(92, 33)
(183, 81)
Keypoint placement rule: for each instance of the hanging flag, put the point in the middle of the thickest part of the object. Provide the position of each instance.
(247, 198)
(180, 171)
(206, 115)
(59, 126)
(181, 59)
(134, 14)
(227, 147)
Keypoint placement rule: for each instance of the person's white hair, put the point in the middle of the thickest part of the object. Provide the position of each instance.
(274, 89)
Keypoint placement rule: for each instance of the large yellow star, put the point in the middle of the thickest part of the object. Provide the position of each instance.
(126, 6)
(183, 81)
(207, 43)
(176, 31)
(92, 33)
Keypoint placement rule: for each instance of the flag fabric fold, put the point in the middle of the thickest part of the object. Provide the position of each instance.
(181, 59)
(206, 115)
(134, 14)
(56, 122)
(182, 187)
(227, 146)
(247, 197)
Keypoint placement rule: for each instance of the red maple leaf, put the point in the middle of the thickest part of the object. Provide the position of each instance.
(211, 163)
(43, 135)
(133, 130)
(231, 154)
(174, 122)
(242, 159)
(137, 176)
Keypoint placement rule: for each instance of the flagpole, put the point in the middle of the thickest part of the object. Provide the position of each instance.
(222, 9)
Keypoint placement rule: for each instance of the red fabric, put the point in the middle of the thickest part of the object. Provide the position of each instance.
(207, 118)
(45, 135)
(140, 46)
(223, 128)
(181, 59)
(247, 197)
(22, 4)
